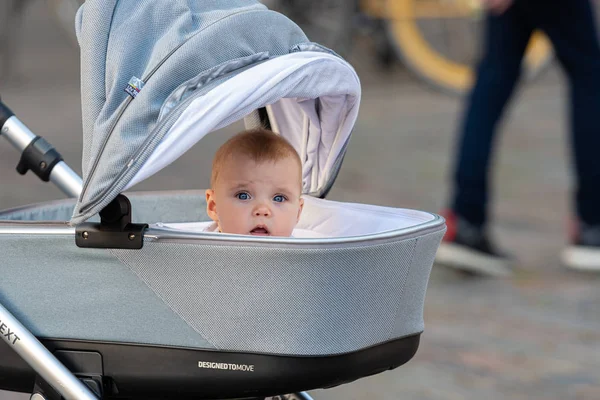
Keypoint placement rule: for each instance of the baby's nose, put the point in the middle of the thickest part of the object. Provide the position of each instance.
(262, 211)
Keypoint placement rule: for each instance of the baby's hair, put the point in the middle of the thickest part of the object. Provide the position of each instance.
(259, 145)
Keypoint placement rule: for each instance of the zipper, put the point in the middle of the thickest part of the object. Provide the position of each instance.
(122, 109)
(146, 143)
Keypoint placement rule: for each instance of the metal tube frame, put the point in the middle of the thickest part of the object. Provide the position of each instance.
(25, 344)
(62, 175)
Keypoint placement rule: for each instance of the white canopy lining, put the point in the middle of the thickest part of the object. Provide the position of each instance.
(317, 127)
(326, 218)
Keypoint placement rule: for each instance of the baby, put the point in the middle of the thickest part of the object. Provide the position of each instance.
(256, 185)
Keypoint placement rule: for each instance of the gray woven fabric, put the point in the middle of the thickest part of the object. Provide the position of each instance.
(52, 211)
(164, 43)
(148, 207)
(410, 314)
(60, 291)
(252, 121)
(301, 301)
(279, 301)
(309, 299)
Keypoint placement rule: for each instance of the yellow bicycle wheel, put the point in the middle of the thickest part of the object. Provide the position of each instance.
(446, 57)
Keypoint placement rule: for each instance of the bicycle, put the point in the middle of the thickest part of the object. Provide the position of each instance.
(446, 58)
(436, 39)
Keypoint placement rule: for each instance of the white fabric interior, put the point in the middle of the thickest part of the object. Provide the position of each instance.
(317, 141)
(326, 218)
(318, 127)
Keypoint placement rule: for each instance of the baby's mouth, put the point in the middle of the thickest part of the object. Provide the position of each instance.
(260, 231)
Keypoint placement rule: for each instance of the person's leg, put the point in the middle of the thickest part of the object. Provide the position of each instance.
(571, 27)
(506, 39)
(570, 24)
(467, 245)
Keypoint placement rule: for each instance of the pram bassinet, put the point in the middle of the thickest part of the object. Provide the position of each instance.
(306, 313)
(203, 315)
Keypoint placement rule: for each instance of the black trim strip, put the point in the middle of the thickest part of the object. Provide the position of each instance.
(154, 372)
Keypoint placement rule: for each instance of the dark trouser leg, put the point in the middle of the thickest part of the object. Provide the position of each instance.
(506, 39)
(571, 27)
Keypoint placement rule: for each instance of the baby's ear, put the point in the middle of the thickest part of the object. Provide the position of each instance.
(211, 205)
(300, 209)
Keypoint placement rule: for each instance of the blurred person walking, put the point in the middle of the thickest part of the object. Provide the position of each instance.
(570, 25)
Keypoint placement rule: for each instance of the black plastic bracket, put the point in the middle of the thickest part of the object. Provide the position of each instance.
(85, 365)
(115, 230)
(263, 114)
(39, 157)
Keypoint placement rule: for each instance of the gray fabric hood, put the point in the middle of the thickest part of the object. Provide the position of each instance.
(157, 75)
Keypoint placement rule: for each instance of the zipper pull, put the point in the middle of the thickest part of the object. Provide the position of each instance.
(134, 86)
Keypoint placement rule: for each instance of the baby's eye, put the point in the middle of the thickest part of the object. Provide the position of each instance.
(279, 198)
(243, 196)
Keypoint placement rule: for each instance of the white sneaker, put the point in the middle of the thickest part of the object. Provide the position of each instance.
(584, 253)
(468, 248)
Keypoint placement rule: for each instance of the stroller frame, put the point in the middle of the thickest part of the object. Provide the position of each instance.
(42, 361)
(37, 154)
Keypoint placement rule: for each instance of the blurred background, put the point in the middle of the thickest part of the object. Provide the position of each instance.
(533, 336)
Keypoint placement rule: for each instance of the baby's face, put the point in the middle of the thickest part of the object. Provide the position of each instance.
(260, 199)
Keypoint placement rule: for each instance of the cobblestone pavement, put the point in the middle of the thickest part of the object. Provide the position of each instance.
(536, 336)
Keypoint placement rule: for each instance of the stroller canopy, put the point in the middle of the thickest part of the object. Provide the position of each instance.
(159, 75)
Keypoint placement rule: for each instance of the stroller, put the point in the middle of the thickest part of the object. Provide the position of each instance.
(114, 296)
